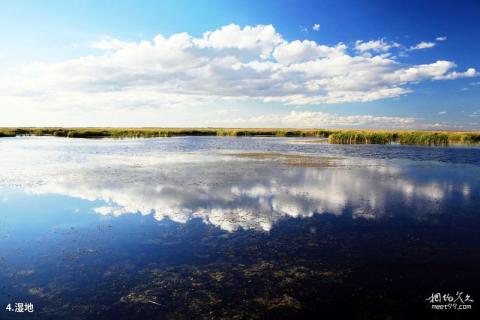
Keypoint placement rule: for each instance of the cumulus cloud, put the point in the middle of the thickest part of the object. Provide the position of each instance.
(423, 45)
(441, 38)
(375, 45)
(434, 71)
(441, 113)
(316, 27)
(303, 51)
(230, 63)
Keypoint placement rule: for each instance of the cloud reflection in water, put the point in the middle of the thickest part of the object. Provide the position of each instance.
(232, 192)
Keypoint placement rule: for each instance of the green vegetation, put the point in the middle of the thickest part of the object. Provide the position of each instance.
(359, 137)
(429, 138)
(160, 132)
(425, 138)
(7, 133)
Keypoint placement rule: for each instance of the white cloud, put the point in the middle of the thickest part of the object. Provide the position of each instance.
(423, 45)
(441, 38)
(317, 119)
(322, 119)
(475, 114)
(260, 39)
(232, 63)
(441, 113)
(316, 27)
(471, 72)
(303, 51)
(435, 71)
(375, 45)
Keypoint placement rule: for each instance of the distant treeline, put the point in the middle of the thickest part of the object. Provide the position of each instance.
(437, 138)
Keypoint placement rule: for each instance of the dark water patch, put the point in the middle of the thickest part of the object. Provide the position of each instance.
(329, 264)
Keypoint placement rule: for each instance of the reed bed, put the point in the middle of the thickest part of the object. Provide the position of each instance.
(426, 138)
(161, 132)
(7, 133)
(356, 137)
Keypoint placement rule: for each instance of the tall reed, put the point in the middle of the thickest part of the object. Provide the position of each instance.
(429, 138)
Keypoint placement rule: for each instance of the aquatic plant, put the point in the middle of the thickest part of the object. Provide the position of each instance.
(425, 138)
(161, 132)
(361, 137)
(428, 138)
(7, 133)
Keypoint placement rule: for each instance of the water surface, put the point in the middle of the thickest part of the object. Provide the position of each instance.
(211, 227)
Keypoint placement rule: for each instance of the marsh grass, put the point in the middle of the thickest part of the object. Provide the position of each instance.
(160, 132)
(7, 133)
(428, 138)
(425, 138)
(356, 137)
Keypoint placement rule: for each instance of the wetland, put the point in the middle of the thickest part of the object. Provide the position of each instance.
(210, 227)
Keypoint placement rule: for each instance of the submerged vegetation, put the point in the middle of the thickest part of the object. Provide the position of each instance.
(429, 138)
(290, 159)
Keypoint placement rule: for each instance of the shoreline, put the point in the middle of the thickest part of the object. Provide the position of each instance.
(332, 136)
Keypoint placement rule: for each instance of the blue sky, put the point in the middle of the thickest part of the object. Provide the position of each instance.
(385, 64)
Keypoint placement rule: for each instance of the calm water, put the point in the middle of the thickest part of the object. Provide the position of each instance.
(206, 227)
